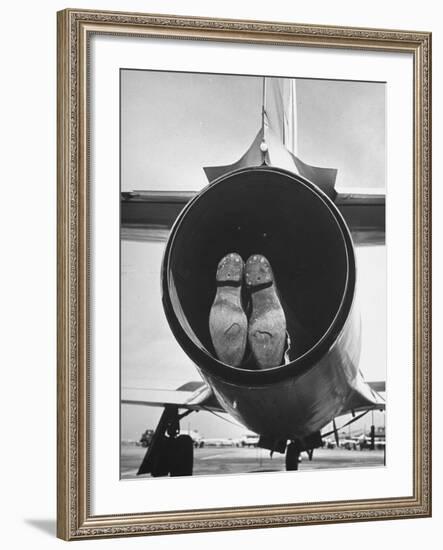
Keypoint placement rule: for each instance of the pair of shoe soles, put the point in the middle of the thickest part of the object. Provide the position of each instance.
(228, 324)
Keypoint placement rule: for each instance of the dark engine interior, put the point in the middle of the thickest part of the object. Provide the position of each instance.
(268, 212)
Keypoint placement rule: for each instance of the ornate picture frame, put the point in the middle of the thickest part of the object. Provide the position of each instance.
(76, 28)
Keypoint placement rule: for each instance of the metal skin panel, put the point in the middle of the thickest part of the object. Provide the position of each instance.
(298, 405)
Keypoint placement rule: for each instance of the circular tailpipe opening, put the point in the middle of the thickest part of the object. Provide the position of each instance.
(289, 220)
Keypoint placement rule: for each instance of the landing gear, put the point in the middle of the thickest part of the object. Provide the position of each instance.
(181, 457)
(302, 444)
(169, 453)
(160, 466)
(292, 456)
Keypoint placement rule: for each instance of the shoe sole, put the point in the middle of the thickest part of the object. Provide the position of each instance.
(228, 324)
(267, 324)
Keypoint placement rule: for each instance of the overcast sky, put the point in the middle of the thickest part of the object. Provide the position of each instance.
(173, 124)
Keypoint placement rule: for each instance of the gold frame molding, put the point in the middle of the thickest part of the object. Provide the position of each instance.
(75, 27)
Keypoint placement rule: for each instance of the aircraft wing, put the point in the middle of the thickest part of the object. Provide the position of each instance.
(379, 386)
(364, 213)
(365, 396)
(193, 396)
(149, 215)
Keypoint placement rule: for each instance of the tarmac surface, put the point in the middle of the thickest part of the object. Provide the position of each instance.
(239, 460)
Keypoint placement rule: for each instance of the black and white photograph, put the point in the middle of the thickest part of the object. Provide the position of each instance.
(253, 274)
(217, 281)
